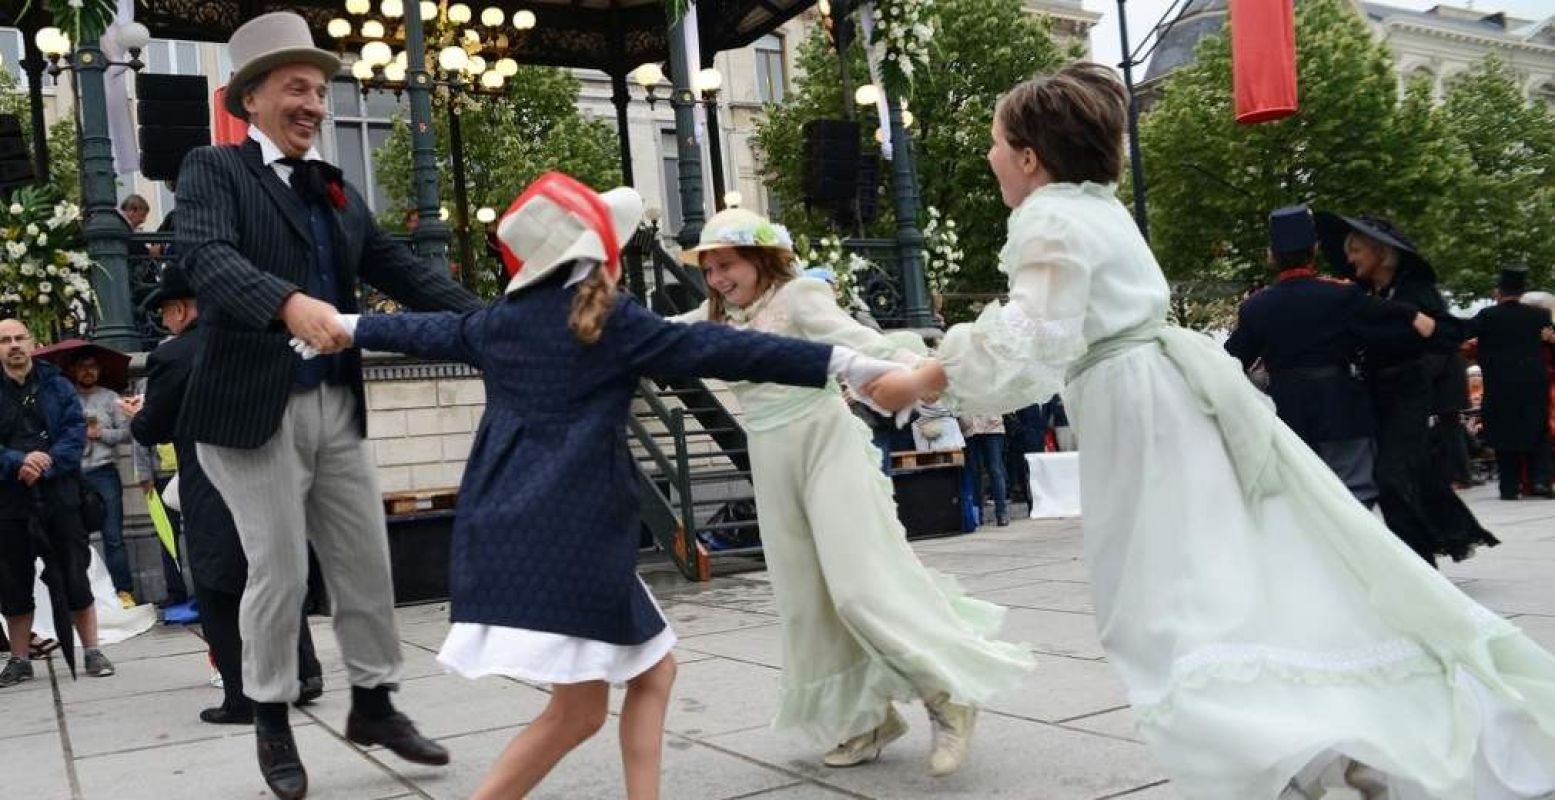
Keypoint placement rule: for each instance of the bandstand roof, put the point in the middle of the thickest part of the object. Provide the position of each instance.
(610, 35)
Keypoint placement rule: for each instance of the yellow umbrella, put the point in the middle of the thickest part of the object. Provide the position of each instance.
(160, 521)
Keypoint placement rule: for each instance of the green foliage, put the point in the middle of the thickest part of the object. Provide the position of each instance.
(64, 157)
(1502, 209)
(980, 49)
(508, 142)
(1470, 179)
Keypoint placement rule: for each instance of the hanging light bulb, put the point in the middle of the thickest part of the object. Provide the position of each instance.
(524, 20)
(339, 28)
(393, 9)
(372, 29)
(376, 54)
(472, 36)
(507, 67)
(442, 213)
(486, 215)
(475, 66)
(880, 135)
(492, 17)
(649, 75)
(362, 71)
(452, 59)
(825, 7)
(867, 95)
(459, 13)
(394, 72)
(708, 80)
(428, 11)
(907, 118)
(492, 80)
(402, 59)
(733, 199)
(358, 7)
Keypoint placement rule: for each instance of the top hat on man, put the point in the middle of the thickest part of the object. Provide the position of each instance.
(266, 42)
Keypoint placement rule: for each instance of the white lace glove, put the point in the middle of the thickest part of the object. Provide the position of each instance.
(858, 371)
(347, 323)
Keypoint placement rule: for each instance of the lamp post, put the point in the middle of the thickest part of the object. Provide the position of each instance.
(107, 232)
(471, 61)
(705, 86)
(1135, 158)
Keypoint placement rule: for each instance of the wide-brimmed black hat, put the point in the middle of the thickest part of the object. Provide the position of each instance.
(172, 285)
(1333, 228)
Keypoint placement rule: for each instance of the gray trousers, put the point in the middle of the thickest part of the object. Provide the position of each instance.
(315, 479)
(1355, 462)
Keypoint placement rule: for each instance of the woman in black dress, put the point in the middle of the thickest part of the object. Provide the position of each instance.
(1406, 375)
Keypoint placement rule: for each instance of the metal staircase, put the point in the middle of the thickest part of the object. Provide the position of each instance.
(693, 464)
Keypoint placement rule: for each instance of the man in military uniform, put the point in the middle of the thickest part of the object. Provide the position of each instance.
(1308, 331)
(1517, 391)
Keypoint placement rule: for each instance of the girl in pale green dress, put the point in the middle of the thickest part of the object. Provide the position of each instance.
(864, 623)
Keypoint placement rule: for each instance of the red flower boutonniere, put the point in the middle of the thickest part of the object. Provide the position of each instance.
(337, 195)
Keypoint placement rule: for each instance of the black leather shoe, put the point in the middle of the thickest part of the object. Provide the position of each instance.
(1542, 491)
(312, 689)
(222, 715)
(397, 733)
(281, 766)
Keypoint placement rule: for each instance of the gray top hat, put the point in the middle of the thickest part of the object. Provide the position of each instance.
(269, 41)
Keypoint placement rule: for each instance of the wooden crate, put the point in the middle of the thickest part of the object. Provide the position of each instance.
(421, 500)
(918, 459)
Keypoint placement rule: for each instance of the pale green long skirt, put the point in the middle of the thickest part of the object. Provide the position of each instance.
(864, 622)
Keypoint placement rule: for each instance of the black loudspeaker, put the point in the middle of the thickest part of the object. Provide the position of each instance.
(15, 158)
(831, 160)
(175, 117)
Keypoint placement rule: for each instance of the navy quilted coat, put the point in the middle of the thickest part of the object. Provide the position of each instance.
(547, 527)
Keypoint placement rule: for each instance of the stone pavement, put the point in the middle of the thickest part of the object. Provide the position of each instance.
(1066, 735)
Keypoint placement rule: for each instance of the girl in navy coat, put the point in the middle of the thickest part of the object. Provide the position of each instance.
(544, 582)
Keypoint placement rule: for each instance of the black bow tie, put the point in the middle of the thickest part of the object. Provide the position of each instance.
(311, 178)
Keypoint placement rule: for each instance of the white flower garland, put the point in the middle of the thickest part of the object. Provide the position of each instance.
(902, 36)
(847, 268)
(44, 277)
(945, 255)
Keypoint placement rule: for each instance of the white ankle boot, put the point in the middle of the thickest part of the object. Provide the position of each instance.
(953, 726)
(868, 746)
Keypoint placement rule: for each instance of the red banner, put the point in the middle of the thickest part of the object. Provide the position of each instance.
(229, 129)
(1263, 59)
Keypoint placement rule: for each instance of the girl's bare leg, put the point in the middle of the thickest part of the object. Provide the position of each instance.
(576, 712)
(642, 728)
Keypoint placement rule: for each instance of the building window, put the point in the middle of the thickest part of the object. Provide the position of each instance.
(362, 125)
(12, 51)
(771, 80)
(165, 57)
(670, 145)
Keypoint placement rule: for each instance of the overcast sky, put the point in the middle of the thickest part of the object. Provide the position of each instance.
(1143, 14)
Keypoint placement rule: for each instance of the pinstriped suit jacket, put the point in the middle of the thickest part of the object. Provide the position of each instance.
(246, 246)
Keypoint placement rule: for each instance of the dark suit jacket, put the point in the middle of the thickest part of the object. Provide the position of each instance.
(215, 553)
(547, 530)
(1309, 331)
(246, 246)
(1511, 353)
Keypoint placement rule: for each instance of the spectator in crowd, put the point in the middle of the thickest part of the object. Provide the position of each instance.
(985, 453)
(215, 554)
(135, 210)
(1512, 340)
(154, 468)
(106, 427)
(42, 435)
(1025, 431)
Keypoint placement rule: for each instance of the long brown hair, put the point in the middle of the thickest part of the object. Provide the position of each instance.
(773, 268)
(591, 306)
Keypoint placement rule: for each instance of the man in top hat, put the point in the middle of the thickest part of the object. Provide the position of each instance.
(1308, 331)
(1517, 391)
(215, 553)
(275, 242)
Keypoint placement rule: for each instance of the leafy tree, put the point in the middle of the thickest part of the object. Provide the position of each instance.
(508, 142)
(1502, 209)
(1353, 147)
(64, 158)
(980, 49)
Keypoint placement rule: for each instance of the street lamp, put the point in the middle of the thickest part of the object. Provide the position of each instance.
(55, 45)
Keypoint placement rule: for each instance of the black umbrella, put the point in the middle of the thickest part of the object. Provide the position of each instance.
(55, 562)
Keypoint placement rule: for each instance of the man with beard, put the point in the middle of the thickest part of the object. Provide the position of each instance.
(42, 434)
(275, 243)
